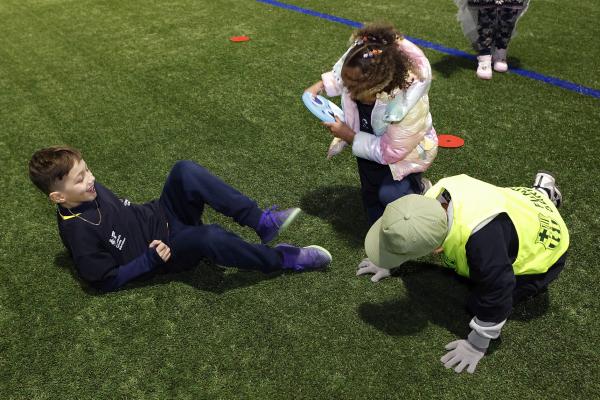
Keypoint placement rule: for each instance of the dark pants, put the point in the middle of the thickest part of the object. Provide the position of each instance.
(532, 285)
(378, 188)
(495, 25)
(189, 187)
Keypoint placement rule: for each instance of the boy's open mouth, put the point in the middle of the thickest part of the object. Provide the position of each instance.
(92, 189)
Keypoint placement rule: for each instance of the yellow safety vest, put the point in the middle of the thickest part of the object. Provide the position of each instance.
(543, 235)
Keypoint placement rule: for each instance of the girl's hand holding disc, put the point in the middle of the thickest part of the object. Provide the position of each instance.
(339, 129)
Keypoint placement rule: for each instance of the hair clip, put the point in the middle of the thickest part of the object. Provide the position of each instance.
(372, 53)
(361, 40)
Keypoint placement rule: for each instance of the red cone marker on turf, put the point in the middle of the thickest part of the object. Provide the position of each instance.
(450, 141)
(239, 38)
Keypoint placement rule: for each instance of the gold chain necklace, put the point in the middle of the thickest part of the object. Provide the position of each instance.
(89, 222)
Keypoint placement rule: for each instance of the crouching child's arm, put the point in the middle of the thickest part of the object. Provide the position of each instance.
(491, 301)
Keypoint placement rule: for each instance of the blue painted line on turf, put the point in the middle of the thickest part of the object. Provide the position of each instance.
(584, 90)
(312, 13)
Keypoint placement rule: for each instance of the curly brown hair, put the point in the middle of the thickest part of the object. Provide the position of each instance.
(375, 64)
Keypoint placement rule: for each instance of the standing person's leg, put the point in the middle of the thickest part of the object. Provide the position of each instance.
(486, 25)
(507, 18)
(192, 243)
(391, 190)
(190, 186)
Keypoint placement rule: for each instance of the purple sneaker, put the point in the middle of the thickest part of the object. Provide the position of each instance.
(273, 222)
(303, 258)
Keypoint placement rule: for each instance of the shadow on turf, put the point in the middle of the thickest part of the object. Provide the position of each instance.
(448, 65)
(205, 276)
(435, 295)
(341, 206)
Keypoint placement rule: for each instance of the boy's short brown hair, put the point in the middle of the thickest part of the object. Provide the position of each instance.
(50, 165)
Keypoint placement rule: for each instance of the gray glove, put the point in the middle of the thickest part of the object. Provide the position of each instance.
(367, 267)
(462, 354)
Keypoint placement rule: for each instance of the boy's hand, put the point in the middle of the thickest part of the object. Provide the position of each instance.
(340, 130)
(367, 267)
(163, 251)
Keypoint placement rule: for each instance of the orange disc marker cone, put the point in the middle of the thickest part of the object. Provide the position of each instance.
(239, 38)
(450, 141)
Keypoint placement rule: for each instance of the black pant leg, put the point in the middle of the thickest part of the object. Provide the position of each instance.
(507, 18)
(372, 175)
(531, 285)
(487, 20)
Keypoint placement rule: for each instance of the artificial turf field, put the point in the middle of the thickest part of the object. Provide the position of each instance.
(138, 85)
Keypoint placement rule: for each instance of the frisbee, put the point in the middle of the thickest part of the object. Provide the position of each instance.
(322, 108)
(239, 38)
(450, 141)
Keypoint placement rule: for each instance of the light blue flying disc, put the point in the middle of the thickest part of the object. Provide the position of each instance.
(322, 108)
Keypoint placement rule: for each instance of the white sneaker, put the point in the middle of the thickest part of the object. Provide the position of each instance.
(499, 58)
(484, 68)
(546, 183)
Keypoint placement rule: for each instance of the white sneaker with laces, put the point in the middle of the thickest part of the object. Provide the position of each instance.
(499, 58)
(484, 67)
(546, 183)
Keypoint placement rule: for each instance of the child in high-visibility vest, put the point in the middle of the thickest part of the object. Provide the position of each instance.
(510, 242)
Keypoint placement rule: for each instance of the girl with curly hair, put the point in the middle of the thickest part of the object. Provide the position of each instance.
(384, 81)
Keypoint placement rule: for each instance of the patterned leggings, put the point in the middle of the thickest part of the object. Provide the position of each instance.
(495, 25)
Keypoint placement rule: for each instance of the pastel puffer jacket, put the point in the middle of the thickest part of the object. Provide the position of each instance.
(404, 135)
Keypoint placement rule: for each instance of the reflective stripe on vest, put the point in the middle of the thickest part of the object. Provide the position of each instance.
(543, 235)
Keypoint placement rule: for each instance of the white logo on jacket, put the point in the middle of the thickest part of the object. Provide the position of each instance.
(116, 240)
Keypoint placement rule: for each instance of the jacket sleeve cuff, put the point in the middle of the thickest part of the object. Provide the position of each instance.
(153, 257)
(478, 341)
(483, 332)
(140, 265)
(367, 146)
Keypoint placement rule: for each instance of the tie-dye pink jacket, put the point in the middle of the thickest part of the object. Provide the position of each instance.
(404, 135)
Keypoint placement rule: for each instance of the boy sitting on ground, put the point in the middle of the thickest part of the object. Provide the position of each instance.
(113, 241)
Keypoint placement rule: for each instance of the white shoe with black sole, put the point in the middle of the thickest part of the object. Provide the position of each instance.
(546, 183)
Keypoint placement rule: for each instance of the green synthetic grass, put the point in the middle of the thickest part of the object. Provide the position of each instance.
(139, 84)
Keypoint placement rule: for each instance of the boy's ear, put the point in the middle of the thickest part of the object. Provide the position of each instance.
(56, 197)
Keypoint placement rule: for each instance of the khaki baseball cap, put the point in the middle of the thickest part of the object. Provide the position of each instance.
(411, 227)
